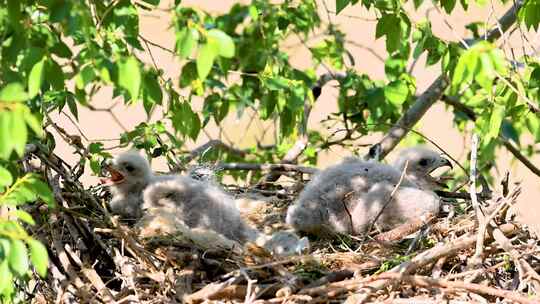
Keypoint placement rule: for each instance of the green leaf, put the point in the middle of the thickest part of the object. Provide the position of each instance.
(224, 42)
(33, 123)
(186, 41)
(35, 79)
(152, 2)
(6, 277)
(495, 121)
(389, 25)
(509, 132)
(486, 73)
(24, 216)
(14, 12)
(5, 248)
(6, 144)
(448, 5)
(205, 59)
(13, 92)
(18, 257)
(129, 76)
(341, 4)
(39, 257)
(18, 131)
(72, 105)
(43, 191)
(396, 92)
(5, 177)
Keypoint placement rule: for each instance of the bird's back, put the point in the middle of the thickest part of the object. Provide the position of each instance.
(198, 204)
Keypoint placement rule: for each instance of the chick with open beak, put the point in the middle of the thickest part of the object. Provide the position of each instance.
(421, 162)
(130, 174)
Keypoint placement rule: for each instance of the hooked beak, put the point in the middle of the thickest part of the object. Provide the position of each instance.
(446, 162)
(116, 176)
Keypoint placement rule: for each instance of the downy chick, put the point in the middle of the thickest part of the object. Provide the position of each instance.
(130, 175)
(347, 197)
(202, 205)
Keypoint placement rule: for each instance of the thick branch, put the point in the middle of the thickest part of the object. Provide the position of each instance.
(432, 94)
(522, 158)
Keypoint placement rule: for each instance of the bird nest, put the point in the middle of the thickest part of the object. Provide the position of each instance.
(462, 255)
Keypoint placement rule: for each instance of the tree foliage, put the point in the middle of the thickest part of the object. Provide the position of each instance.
(57, 53)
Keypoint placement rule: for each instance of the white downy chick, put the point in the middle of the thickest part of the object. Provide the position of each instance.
(202, 205)
(347, 197)
(130, 175)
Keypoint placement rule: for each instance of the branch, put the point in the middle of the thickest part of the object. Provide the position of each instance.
(213, 143)
(267, 167)
(517, 154)
(428, 282)
(432, 94)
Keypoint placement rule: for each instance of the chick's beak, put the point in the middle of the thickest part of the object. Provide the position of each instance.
(445, 162)
(115, 178)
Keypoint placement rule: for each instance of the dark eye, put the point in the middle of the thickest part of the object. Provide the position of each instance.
(130, 168)
(423, 162)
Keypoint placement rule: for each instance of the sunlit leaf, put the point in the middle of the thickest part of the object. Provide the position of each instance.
(6, 278)
(19, 131)
(224, 42)
(495, 121)
(129, 76)
(396, 92)
(5, 177)
(35, 79)
(18, 257)
(39, 257)
(205, 59)
(6, 144)
(13, 92)
(186, 41)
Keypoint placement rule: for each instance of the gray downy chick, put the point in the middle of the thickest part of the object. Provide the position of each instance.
(347, 197)
(198, 204)
(130, 175)
(202, 205)
(421, 163)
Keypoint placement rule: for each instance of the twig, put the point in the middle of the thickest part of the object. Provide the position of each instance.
(428, 282)
(476, 259)
(267, 167)
(403, 173)
(517, 154)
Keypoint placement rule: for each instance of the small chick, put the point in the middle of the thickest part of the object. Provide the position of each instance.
(283, 243)
(201, 205)
(347, 197)
(198, 205)
(130, 175)
(421, 163)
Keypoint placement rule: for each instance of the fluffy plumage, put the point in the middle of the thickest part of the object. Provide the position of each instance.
(201, 205)
(197, 204)
(130, 175)
(347, 197)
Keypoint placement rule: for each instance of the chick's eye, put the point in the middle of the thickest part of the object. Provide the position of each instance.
(423, 162)
(130, 168)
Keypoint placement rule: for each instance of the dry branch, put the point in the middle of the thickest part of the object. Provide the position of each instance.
(428, 282)
(267, 167)
(433, 93)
